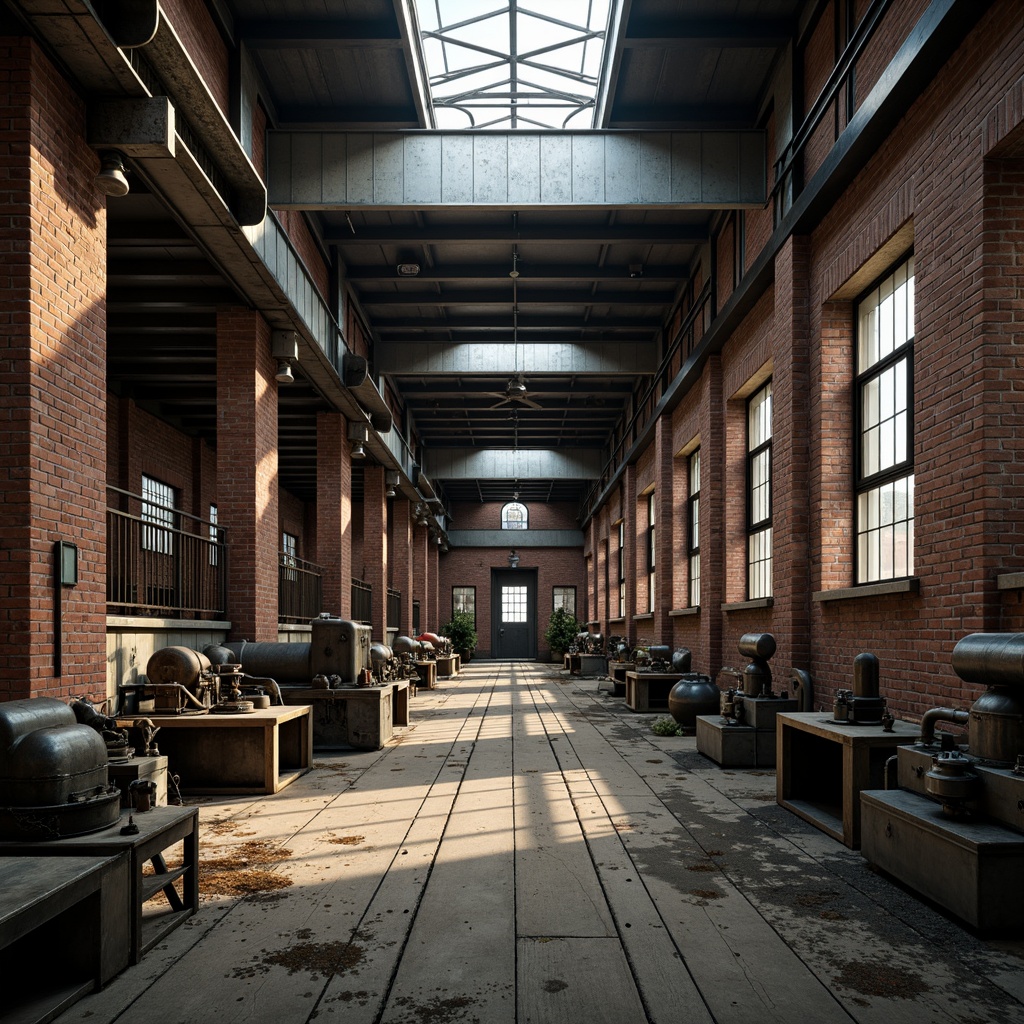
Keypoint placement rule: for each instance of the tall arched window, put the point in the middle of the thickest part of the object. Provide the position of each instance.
(514, 516)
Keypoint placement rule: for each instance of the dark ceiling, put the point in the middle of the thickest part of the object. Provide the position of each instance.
(594, 274)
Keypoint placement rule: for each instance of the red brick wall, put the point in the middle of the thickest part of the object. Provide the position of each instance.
(471, 567)
(52, 388)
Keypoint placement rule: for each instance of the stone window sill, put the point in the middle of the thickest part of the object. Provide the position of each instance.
(907, 586)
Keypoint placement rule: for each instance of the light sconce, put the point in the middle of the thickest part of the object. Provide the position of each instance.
(284, 347)
(111, 179)
(408, 269)
(391, 483)
(358, 435)
(513, 559)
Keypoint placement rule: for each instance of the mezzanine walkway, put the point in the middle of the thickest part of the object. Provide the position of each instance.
(529, 851)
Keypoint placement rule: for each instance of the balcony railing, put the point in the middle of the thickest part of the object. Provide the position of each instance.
(163, 562)
(394, 609)
(299, 589)
(362, 606)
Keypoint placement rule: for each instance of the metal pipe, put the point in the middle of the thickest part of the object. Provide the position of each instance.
(933, 715)
(885, 771)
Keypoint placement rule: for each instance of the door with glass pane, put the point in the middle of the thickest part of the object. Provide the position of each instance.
(514, 614)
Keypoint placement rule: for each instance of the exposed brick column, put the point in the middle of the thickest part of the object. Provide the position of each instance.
(247, 471)
(664, 540)
(708, 657)
(401, 558)
(52, 383)
(790, 458)
(630, 540)
(334, 513)
(375, 548)
(421, 579)
(442, 612)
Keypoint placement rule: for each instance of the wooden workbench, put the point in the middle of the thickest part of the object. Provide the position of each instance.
(363, 717)
(258, 752)
(822, 766)
(162, 832)
(648, 691)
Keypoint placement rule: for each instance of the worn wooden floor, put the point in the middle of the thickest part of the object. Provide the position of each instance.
(530, 851)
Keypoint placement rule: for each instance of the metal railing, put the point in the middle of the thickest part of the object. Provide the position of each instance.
(162, 561)
(362, 602)
(394, 616)
(299, 589)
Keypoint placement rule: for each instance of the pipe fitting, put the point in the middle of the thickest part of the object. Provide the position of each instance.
(934, 715)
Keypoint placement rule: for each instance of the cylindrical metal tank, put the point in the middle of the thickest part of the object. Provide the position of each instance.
(287, 663)
(693, 695)
(177, 665)
(996, 727)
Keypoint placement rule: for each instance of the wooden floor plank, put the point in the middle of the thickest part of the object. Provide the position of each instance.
(569, 980)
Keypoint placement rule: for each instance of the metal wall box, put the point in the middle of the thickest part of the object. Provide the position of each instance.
(972, 868)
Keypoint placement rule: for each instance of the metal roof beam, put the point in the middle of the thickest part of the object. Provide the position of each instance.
(336, 170)
(512, 464)
(320, 33)
(675, 272)
(735, 33)
(421, 359)
(525, 297)
(501, 235)
(527, 324)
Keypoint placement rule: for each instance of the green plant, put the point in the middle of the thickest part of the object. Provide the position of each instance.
(562, 630)
(666, 727)
(461, 631)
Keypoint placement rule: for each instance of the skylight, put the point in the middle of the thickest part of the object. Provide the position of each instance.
(524, 64)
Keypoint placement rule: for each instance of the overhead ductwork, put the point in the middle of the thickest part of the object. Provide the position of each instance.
(356, 377)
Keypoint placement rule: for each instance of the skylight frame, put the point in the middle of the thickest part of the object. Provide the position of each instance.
(514, 90)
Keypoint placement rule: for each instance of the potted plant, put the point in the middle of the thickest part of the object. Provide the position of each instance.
(462, 633)
(561, 632)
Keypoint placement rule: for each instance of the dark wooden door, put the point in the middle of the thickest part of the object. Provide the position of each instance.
(514, 614)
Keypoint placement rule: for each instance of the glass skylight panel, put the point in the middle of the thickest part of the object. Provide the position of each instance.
(521, 64)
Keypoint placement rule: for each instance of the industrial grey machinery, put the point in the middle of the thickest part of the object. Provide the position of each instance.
(742, 734)
(53, 773)
(953, 827)
(408, 652)
(339, 651)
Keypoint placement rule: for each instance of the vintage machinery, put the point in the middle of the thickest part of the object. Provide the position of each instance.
(384, 666)
(743, 732)
(408, 652)
(435, 646)
(53, 773)
(863, 704)
(587, 643)
(953, 827)
(694, 694)
(338, 652)
(618, 649)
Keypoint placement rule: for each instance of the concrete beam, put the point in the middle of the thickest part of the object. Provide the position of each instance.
(512, 464)
(424, 359)
(334, 170)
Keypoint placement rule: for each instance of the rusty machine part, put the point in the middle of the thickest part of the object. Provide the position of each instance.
(53, 773)
(682, 660)
(996, 660)
(953, 782)
(180, 681)
(659, 658)
(863, 705)
(618, 648)
(441, 646)
(695, 694)
(408, 652)
(757, 676)
(116, 739)
(384, 666)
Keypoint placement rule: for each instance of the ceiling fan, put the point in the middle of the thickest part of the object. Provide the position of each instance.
(515, 394)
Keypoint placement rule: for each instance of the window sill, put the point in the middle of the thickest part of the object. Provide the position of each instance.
(1010, 581)
(907, 586)
(679, 612)
(618, 618)
(742, 606)
(646, 617)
